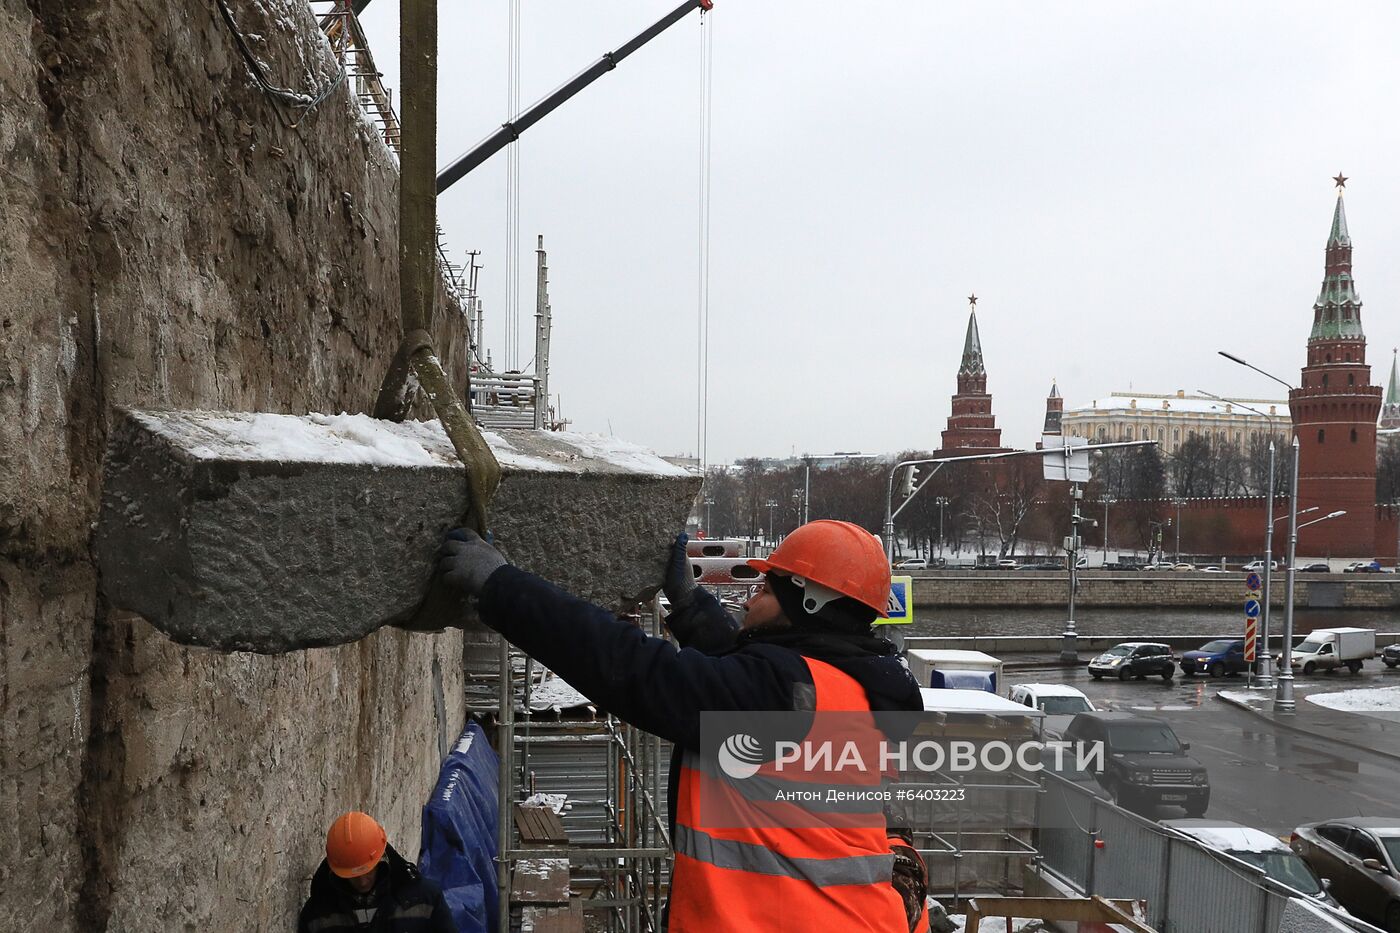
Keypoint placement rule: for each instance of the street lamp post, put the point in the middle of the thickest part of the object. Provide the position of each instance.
(941, 502)
(709, 501)
(772, 504)
(1107, 501)
(1283, 698)
(1266, 674)
(1179, 503)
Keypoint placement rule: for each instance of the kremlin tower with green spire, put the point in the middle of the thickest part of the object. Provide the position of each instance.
(1334, 411)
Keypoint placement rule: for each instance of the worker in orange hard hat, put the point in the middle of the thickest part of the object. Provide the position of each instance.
(363, 884)
(804, 646)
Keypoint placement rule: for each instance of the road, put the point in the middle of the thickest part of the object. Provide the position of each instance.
(1260, 775)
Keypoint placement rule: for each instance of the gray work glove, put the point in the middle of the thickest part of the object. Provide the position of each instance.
(679, 585)
(465, 561)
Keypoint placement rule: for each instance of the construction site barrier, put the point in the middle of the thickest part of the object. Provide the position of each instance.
(458, 847)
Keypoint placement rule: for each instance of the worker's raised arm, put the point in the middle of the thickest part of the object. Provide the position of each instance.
(646, 681)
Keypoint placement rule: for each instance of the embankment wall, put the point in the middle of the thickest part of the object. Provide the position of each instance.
(1141, 590)
(169, 239)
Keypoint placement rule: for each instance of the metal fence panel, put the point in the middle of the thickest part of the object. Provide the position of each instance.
(1208, 896)
(1133, 861)
(1064, 838)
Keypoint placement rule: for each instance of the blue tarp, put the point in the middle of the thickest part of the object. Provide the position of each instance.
(458, 849)
(964, 680)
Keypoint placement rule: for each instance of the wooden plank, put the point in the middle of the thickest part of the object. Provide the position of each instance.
(553, 919)
(540, 826)
(540, 881)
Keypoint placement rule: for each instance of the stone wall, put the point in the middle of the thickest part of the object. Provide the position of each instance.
(1138, 590)
(167, 239)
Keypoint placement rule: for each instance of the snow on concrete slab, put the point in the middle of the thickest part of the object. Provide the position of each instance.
(364, 440)
(1364, 700)
(556, 693)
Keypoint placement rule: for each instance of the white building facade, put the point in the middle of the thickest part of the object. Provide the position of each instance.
(1171, 419)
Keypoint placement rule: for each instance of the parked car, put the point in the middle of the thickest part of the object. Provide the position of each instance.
(1221, 657)
(1007, 563)
(1043, 565)
(1259, 849)
(1052, 699)
(1390, 654)
(1327, 649)
(1213, 569)
(1360, 856)
(1145, 764)
(1315, 568)
(1059, 702)
(1184, 566)
(1123, 565)
(1134, 659)
(1363, 566)
(913, 563)
(1258, 565)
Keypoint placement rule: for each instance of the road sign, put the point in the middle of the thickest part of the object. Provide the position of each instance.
(1072, 465)
(901, 604)
(1251, 639)
(1251, 608)
(1253, 582)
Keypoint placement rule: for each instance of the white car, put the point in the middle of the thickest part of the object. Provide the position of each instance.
(1059, 702)
(1007, 563)
(1258, 849)
(1258, 565)
(1052, 699)
(913, 563)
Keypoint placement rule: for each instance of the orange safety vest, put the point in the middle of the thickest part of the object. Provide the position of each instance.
(816, 872)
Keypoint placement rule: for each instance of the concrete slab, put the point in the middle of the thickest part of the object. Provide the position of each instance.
(270, 533)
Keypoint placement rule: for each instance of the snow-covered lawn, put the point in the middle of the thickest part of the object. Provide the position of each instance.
(1365, 700)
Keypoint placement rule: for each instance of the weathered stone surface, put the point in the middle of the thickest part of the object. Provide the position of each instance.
(169, 240)
(270, 533)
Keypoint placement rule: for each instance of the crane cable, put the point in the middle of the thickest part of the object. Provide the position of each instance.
(512, 257)
(702, 412)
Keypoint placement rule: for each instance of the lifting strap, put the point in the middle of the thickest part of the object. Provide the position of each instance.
(416, 365)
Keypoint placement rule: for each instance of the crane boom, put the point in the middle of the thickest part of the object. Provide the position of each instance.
(511, 130)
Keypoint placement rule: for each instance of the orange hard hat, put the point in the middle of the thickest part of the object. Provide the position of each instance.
(355, 844)
(838, 556)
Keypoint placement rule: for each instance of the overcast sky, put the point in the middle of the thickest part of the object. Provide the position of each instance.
(1127, 187)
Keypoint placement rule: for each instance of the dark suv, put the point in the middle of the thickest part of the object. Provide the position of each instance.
(1134, 659)
(1145, 764)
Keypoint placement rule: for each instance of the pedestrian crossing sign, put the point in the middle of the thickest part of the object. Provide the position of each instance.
(901, 604)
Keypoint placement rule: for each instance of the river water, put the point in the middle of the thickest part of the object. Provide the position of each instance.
(1135, 622)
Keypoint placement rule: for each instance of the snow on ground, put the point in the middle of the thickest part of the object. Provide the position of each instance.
(1364, 700)
(998, 925)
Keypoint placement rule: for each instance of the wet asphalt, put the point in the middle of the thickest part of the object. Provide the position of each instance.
(1263, 774)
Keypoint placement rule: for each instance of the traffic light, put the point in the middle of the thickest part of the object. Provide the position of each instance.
(910, 473)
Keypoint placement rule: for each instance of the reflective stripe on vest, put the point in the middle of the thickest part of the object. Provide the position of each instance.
(745, 856)
(834, 874)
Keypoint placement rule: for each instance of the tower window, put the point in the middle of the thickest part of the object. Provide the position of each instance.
(1348, 356)
(1321, 435)
(1351, 379)
(1324, 379)
(1329, 357)
(1353, 435)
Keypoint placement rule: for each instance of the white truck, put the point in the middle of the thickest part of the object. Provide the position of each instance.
(955, 668)
(1326, 649)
